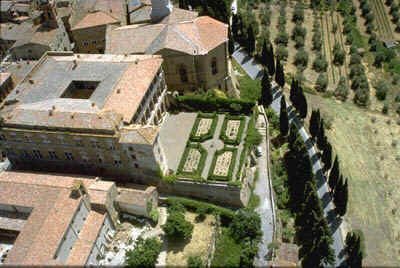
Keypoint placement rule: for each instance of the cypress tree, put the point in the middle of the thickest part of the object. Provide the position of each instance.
(354, 248)
(293, 88)
(321, 138)
(302, 104)
(231, 44)
(314, 124)
(334, 175)
(293, 134)
(327, 156)
(279, 74)
(250, 40)
(266, 90)
(283, 118)
(341, 196)
(235, 26)
(271, 60)
(264, 54)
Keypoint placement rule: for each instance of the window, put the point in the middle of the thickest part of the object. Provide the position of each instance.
(53, 155)
(111, 147)
(183, 74)
(79, 143)
(214, 68)
(133, 156)
(37, 154)
(95, 144)
(69, 156)
(85, 43)
(94, 42)
(117, 162)
(25, 154)
(100, 159)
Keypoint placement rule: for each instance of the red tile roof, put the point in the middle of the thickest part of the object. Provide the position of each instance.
(94, 19)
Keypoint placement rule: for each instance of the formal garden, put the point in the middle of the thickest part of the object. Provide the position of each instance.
(216, 150)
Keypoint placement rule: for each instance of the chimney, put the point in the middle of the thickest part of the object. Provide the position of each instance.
(160, 9)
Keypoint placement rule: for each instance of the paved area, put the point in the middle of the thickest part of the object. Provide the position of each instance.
(323, 191)
(263, 190)
(174, 133)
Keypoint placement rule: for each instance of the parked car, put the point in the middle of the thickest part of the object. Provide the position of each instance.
(258, 151)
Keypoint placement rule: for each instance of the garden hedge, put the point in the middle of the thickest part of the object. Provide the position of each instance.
(192, 205)
(211, 175)
(242, 160)
(223, 136)
(210, 132)
(212, 104)
(197, 173)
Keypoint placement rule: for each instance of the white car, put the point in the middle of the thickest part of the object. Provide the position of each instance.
(258, 151)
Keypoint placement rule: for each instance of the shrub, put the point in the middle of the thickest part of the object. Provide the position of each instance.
(298, 30)
(211, 131)
(339, 57)
(299, 42)
(223, 135)
(342, 90)
(320, 64)
(201, 213)
(246, 223)
(282, 53)
(397, 98)
(362, 97)
(282, 38)
(228, 177)
(145, 253)
(192, 205)
(301, 57)
(194, 262)
(381, 90)
(385, 109)
(321, 83)
(177, 227)
(154, 214)
(174, 206)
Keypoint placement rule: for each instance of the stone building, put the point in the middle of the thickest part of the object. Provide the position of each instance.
(88, 114)
(89, 34)
(53, 219)
(6, 85)
(195, 51)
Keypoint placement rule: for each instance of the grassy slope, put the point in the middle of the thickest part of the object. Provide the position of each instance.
(373, 181)
(249, 89)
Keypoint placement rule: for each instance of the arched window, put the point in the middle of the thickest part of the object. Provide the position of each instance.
(183, 74)
(214, 68)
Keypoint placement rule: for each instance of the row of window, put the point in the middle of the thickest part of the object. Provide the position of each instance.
(94, 42)
(183, 72)
(79, 143)
(36, 154)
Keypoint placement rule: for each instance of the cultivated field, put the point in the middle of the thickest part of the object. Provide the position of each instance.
(370, 156)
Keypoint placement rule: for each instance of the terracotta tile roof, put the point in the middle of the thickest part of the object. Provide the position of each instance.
(179, 15)
(196, 37)
(86, 238)
(132, 87)
(94, 19)
(4, 77)
(122, 83)
(53, 209)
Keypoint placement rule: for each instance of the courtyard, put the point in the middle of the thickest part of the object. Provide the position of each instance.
(205, 146)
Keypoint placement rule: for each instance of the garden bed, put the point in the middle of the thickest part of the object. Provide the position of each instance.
(204, 127)
(232, 129)
(220, 169)
(196, 155)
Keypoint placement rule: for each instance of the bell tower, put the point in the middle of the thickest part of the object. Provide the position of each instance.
(160, 9)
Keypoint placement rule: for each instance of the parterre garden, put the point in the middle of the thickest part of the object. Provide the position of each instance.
(210, 131)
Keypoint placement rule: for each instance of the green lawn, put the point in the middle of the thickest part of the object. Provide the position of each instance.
(250, 89)
(227, 251)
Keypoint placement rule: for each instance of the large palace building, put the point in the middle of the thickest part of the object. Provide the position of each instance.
(87, 114)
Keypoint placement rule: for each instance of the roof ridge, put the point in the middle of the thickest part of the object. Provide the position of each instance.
(185, 38)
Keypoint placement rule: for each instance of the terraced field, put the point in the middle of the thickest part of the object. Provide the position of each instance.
(382, 21)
